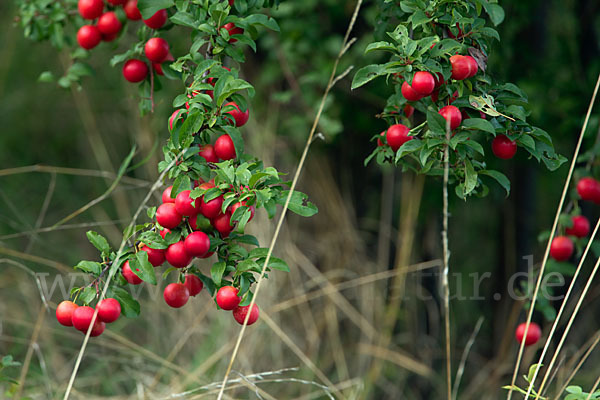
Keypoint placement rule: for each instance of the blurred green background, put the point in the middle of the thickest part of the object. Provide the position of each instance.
(373, 337)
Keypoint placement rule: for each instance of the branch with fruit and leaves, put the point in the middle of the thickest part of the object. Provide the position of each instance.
(438, 73)
(216, 187)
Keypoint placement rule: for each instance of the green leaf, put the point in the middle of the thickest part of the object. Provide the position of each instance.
(499, 177)
(149, 7)
(367, 74)
(436, 123)
(153, 240)
(87, 295)
(409, 147)
(278, 264)
(140, 266)
(98, 241)
(480, 124)
(217, 271)
(129, 306)
(91, 267)
(263, 20)
(46, 76)
(532, 371)
(495, 12)
(247, 265)
(382, 46)
(470, 177)
(299, 203)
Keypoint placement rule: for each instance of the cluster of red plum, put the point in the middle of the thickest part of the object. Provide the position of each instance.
(427, 84)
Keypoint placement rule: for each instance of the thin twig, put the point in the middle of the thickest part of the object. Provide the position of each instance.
(552, 233)
(446, 259)
(30, 348)
(463, 359)
(589, 396)
(579, 365)
(291, 191)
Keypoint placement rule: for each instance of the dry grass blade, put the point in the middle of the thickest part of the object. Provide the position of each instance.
(291, 191)
(579, 365)
(36, 259)
(402, 360)
(589, 396)
(32, 344)
(463, 359)
(562, 307)
(552, 233)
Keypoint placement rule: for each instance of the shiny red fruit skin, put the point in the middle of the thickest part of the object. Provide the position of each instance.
(423, 83)
(473, 67)
(233, 30)
(240, 312)
(222, 224)
(109, 24)
(237, 205)
(166, 195)
(129, 276)
(580, 228)
(589, 189)
(156, 49)
(88, 36)
(185, 205)
(207, 151)
(534, 333)
(157, 20)
(64, 312)
(409, 110)
(211, 208)
(409, 93)
(116, 2)
(109, 310)
(461, 67)
(397, 135)
(135, 70)
(98, 328)
(131, 10)
(90, 9)
(561, 248)
(240, 118)
(176, 116)
(177, 256)
(503, 147)
(176, 295)
(227, 298)
(224, 147)
(194, 284)
(156, 257)
(197, 244)
(167, 216)
(82, 317)
(451, 113)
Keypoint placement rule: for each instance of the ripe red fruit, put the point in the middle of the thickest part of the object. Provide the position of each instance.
(166, 195)
(156, 257)
(64, 312)
(460, 32)
(90, 9)
(439, 79)
(224, 148)
(461, 67)
(88, 36)
(98, 328)
(227, 298)
(129, 276)
(503, 147)
(109, 24)
(194, 284)
(158, 68)
(110, 38)
(589, 189)
(397, 135)
(211, 208)
(135, 70)
(240, 117)
(222, 223)
(409, 110)
(157, 20)
(423, 83)
(163, 232)
(473, 67)
(109, 310)
(237, 205)
(185, 205)
(176, 116)
(156, 49)
(435, 95)
(176, 294)
(561, 248)
(208, 152)
(240, 312)
(231, 3)
(452, 114)
(167, 216)
(580, 228)
(233, 30)
(82, 317)
(409, 93)
(204, 224)
(177, 256)
(131, 10)
(534, 333)
(197, 244)
(116, 2)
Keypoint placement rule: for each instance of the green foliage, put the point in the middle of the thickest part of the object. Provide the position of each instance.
(428, 34)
